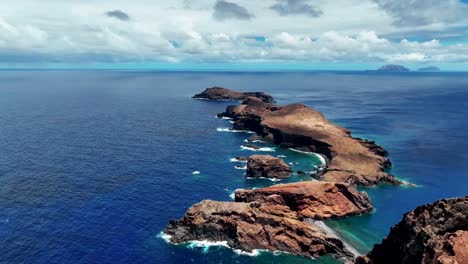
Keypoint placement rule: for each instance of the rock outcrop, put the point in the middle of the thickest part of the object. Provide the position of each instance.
(350, 160)
(220, 93)
(266, 166)
(251, 226)
(311, 199)
(430, 234)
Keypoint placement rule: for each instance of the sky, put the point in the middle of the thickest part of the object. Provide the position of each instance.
(234, 34)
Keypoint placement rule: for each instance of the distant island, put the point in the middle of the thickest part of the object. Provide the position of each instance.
(429, 69)
(393, 68)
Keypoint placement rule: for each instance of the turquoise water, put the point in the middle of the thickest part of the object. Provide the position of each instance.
(93, 164)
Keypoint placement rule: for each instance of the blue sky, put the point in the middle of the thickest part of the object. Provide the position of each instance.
(234, 34)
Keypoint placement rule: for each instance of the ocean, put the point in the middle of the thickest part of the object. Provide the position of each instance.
(93, 164)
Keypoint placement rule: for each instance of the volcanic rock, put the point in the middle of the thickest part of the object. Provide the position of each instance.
(351, 160)
(430, 234)
(223, 94)
(251, 146)
(242, 158)
(250, 226)
(311, 199)
(267, 166)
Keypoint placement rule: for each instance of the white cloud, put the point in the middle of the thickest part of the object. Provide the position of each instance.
(185, 31)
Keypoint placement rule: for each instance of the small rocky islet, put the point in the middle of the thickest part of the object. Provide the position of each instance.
(282, 217)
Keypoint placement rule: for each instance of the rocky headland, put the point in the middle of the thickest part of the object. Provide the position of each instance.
(350, 160)
(274, 218)
(266, 166)
(224, 94)
(436, 233)
(254, 226)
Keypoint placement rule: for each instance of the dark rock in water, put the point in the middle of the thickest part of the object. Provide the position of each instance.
(251, 146)
(300, 172)
(429, 69)
(241, 158)
(220, 93)
(267, 166)
(250, 226)
(254, 138)
(311, 199)
(433, 233)
(297, 126)
(393, 68)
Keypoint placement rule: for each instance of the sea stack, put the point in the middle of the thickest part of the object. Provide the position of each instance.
(266, 166)
(436, 233)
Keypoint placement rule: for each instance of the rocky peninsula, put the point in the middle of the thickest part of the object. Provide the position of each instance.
(224, 94)
(284, 217)
(273, 218)
(350, 160)
(430, 234)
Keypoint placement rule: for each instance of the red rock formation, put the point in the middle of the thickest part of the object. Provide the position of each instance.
(431, 234)
(267, 166)
(352, 160)
(311, 199)
(250, 226)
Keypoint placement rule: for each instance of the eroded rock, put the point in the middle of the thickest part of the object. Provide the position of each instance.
(250, 226)
(351, 160)
(311, 199)
(266, 166)
(431, 234)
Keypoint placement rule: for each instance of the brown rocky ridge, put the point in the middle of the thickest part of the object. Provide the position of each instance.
(224, 94)
(271, 220)
(266, 166)
(436, 233)
(312, 199)
(351, 160)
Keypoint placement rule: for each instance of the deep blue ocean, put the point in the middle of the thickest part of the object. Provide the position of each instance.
(93, 164)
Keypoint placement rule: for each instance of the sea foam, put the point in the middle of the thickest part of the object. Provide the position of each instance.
(266, 149)
(321, 158)
(225, 129)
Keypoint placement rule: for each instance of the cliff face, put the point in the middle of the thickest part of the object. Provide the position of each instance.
(267, 166)
(352, 160)
(430, 234)
(250, 226)
(273, 218)
(311, 199)
(220, 93)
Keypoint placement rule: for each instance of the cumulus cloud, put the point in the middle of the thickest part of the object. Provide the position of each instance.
(118, 14)
(224, 10)
(296, 7)
(424, 12)
(83, 34)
